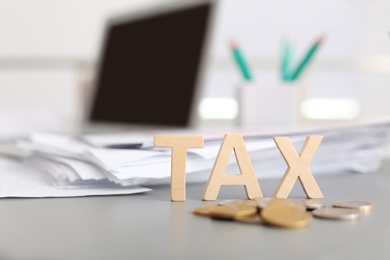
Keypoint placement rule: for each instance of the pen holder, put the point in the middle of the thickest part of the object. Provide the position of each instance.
(261, 106)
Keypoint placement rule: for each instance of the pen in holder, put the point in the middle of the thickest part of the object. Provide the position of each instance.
(268, 106)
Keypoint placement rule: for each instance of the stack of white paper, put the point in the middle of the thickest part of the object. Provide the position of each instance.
(19, 180)
(71, 163)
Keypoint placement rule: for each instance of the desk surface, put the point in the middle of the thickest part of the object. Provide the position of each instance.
(149, 226)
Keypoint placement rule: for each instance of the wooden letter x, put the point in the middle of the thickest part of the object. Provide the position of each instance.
(179, 145)
(218, 176)
(298, 167)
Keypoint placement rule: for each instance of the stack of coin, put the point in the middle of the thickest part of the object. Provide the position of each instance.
(233, 211)
(282, 212)
(228, 209)
(313, 204)
(345, 209)
(353, 204)
(265, 202)
(336, 213)
(285, 213)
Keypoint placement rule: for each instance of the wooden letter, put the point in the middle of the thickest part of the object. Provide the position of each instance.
(298, 167)
(218, 176)
(179, 145)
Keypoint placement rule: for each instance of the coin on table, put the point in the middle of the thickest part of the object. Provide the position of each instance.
(285, 215)
(204, 210)
(336, 213)
(252, 219)
(251, 203)
(230, 202)
(312, 204)
(353, 204)
(262, 203)
(232, 211)
(265, 202)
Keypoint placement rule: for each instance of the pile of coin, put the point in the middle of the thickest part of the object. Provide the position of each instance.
(282, 212)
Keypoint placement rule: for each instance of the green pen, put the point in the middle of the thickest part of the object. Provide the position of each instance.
(287, 53)
(306, 59)
(238, 57)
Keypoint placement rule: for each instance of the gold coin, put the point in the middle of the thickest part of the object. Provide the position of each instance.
(312, 204)
(204, 210)
(353, 204)
(336, 213)
(252, 219)
(266, 202)
(251, 203)
(263, 203)
(232, 211)
(230, 202)
(284, 215)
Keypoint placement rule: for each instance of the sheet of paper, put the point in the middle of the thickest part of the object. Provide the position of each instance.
(61, 142)
(17, 180)
(113, 158)
(85, 171)
(113, 139)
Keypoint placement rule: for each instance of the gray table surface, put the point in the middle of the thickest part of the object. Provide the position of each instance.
(150, 226)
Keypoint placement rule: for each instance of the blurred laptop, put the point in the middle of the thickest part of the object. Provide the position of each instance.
(150, 69)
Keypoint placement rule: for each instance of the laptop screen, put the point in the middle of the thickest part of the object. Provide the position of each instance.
(149, 68)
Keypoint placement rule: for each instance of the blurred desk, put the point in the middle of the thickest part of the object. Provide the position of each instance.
(149, 226)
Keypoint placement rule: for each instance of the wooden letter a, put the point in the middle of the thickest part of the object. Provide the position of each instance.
(298, 167)
(179, 146)
(218, 176)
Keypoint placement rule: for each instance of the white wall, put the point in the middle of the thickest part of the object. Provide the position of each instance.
(59, 28)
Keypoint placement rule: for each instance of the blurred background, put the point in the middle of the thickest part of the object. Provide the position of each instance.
(48, 51)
